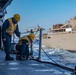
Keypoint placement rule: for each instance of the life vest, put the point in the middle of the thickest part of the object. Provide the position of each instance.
(24, 38)
(12, 27)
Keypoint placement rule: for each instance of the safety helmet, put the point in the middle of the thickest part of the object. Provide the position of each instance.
(17, 17)
(32, 36)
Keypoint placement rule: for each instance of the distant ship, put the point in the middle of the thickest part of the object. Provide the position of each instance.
(62, 36)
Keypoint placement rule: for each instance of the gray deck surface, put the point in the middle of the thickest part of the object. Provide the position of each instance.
(28, 67)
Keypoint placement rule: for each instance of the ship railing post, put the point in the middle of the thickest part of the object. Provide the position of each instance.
(40, 44)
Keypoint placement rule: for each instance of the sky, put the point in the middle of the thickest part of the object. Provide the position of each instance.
(44, 13)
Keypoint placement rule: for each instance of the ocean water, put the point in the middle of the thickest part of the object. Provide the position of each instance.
(60, 56)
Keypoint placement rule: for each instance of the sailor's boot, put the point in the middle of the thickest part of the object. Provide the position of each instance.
(24, 57)
(8, 57)
(19, 57)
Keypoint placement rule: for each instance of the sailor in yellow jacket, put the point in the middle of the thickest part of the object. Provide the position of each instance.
(23, 46)
(9, 27)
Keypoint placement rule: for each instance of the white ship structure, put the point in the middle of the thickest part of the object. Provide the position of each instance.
(62, 36)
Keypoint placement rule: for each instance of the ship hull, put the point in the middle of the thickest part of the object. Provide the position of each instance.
(62, 40)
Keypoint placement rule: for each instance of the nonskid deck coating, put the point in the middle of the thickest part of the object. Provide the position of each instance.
(28, 67)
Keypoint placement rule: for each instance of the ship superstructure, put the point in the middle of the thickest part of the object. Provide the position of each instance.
(3, 5)
(61, 36)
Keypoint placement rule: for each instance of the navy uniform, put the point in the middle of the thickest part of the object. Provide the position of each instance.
(9, 27)
(23, 46)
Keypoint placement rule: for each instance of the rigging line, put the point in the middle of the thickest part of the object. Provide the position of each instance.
(46, 53)
(35, 42)
(49, 57)
(36, 32)
(61, 66)
(55, 63)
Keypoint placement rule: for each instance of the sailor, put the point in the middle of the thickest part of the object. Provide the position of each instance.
(9, 27)
(23, 46)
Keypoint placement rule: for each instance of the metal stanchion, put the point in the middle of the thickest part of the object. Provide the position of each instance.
(40, 44)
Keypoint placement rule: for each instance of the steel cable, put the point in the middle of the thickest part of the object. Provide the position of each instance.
(55, 63)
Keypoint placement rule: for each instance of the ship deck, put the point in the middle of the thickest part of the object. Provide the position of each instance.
(27, 67)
